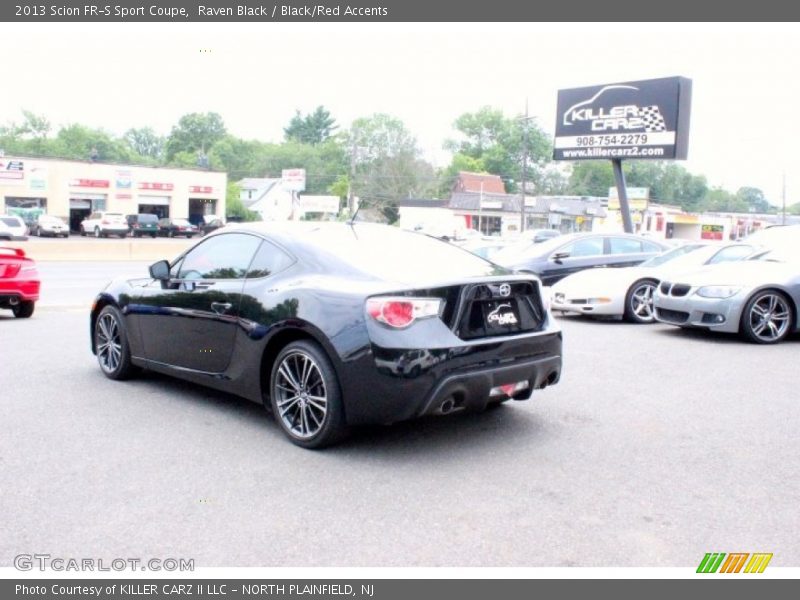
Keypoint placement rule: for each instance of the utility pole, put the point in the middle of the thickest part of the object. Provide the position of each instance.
(480, 209)
(350, 179)
(524, 168)
(783, 217)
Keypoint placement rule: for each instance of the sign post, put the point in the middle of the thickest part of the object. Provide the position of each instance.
(647, 120)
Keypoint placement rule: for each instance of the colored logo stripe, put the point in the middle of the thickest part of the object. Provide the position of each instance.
(758, 563)
(733, 564)
(711, 562)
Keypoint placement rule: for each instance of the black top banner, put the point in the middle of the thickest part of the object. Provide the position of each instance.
(396, 11)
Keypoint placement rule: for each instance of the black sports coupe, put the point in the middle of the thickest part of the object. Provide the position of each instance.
(333, 325)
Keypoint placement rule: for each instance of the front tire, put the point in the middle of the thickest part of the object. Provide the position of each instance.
(23, 310)
(767, 318)
(305, 396)
(639, 302)
(111, 344)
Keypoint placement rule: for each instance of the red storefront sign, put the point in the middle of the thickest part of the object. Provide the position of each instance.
(90, 183)
(200, 189)
(154, 185)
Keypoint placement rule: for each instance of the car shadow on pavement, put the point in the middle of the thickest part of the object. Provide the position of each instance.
(713, 337)
(501, 426)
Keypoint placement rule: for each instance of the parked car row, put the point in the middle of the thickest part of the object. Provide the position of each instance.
(750, 287)
(106, 224)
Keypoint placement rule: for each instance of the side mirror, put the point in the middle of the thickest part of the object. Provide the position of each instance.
(160, 270)
(559, 256)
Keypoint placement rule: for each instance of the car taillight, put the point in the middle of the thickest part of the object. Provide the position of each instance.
(401, 312)
(105, 222)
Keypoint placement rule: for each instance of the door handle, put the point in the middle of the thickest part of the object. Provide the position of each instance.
(221, 307)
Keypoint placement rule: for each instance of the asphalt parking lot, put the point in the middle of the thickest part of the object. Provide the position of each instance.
(658, 445)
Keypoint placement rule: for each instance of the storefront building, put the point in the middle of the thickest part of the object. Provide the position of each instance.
(72, 190)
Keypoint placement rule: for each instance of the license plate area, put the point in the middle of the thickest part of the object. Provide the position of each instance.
(500, 316)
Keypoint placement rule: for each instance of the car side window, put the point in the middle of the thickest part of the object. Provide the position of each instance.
(268, 260)
(731, 253)
(651, 247)
(618, 245)
(583, 247)
(221, 257)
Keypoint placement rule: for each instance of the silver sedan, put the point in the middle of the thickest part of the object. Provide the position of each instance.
(758, 298)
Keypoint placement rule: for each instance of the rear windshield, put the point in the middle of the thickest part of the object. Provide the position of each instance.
(10, 221)
(148, 219)
(399, 255)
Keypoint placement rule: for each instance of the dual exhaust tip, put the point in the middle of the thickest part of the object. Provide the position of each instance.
(451, 403)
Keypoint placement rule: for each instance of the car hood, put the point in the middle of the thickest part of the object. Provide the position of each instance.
(749, 272)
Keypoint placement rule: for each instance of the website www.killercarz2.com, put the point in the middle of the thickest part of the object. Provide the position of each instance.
(634, 151)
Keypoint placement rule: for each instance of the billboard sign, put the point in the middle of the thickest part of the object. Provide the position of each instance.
(321, 204)
(294, 179)
(637, 119)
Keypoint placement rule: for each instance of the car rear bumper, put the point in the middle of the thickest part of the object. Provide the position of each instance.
(21, 290)
(378, 390)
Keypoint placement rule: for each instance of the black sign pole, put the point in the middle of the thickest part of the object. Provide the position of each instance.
(622, 194)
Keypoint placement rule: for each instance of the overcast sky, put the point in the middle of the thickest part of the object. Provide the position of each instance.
(746, 79)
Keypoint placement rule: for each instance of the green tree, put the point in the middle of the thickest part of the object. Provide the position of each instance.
(314, 128)
(323, 163)
(195, 133)
(754, 199)
(234, 207)
(499, 143)
(591, 178)
(80, 142)
(386, 162)
(720, 200)
(145, 142)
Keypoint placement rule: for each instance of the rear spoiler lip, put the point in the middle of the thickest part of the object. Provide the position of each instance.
(18, 251)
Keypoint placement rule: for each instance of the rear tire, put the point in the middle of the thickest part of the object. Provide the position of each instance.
(111, 344)
(24, 309)
(305, 396)
(83, 231)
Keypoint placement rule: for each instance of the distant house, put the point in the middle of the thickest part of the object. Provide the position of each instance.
(266, 196)
(478, 182)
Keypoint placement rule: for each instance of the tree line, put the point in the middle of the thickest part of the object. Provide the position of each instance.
(377, 158)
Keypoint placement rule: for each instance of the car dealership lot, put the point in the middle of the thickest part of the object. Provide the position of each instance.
(657, 446)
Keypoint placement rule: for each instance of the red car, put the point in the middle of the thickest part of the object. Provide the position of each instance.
(19, 282)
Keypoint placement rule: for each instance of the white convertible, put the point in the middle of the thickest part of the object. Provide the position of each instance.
(628, 292)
